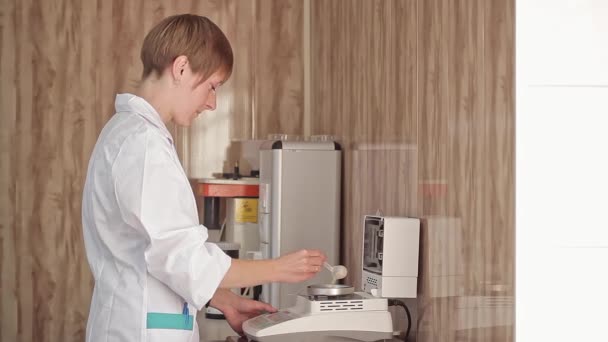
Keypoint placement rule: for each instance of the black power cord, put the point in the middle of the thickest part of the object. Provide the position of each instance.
(395, 302)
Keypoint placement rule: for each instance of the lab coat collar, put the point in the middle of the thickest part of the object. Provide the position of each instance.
(132, 103)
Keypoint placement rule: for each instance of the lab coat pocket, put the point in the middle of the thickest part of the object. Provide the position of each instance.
(170, 326)
(173, 335)
(169, 317)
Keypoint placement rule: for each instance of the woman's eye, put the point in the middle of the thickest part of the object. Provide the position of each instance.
(213, 88)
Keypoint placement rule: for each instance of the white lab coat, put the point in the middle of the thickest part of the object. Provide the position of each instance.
(145, 246)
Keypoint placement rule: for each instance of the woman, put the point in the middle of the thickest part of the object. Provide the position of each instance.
(152, 266)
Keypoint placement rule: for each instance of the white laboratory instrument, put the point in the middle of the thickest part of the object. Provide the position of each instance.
(390, 256)
(336, 313)
(345, 316)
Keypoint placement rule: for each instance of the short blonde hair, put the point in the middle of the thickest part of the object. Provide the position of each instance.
(196, 37)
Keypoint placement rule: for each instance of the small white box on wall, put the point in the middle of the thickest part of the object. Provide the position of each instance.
(390, 256)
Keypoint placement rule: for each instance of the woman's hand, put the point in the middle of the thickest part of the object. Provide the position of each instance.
(243, 310)
(299, 266)
(238, 309)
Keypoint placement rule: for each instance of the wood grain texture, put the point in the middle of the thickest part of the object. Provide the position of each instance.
(437, 76)
(436, 318)
(61, 64)
(433, 101)
(499, 67)
(363, 78)
(278, 68)
(51, 99)
(9, 303)
(401, 122)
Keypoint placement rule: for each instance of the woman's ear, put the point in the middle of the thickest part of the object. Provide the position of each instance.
(178, 67)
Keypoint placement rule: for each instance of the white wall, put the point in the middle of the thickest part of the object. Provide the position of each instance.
(562, 170)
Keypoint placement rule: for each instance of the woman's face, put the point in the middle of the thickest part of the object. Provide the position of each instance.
(194, 96)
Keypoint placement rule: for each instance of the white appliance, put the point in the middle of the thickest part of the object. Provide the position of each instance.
(335, 313)
(390, 256)
(352, 316)
(299, 207)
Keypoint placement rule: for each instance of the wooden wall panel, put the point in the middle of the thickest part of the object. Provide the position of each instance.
(434, 77)
(499, 107)
(364, 104)
(278, 69)
(434, 321)
(453, 237)
(61, 64)
(433, 103)
(329, 68)
(52, 95)
(8, 172)
(401, 122)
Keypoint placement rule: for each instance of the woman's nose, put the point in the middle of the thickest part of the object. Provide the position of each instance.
(211, 102)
